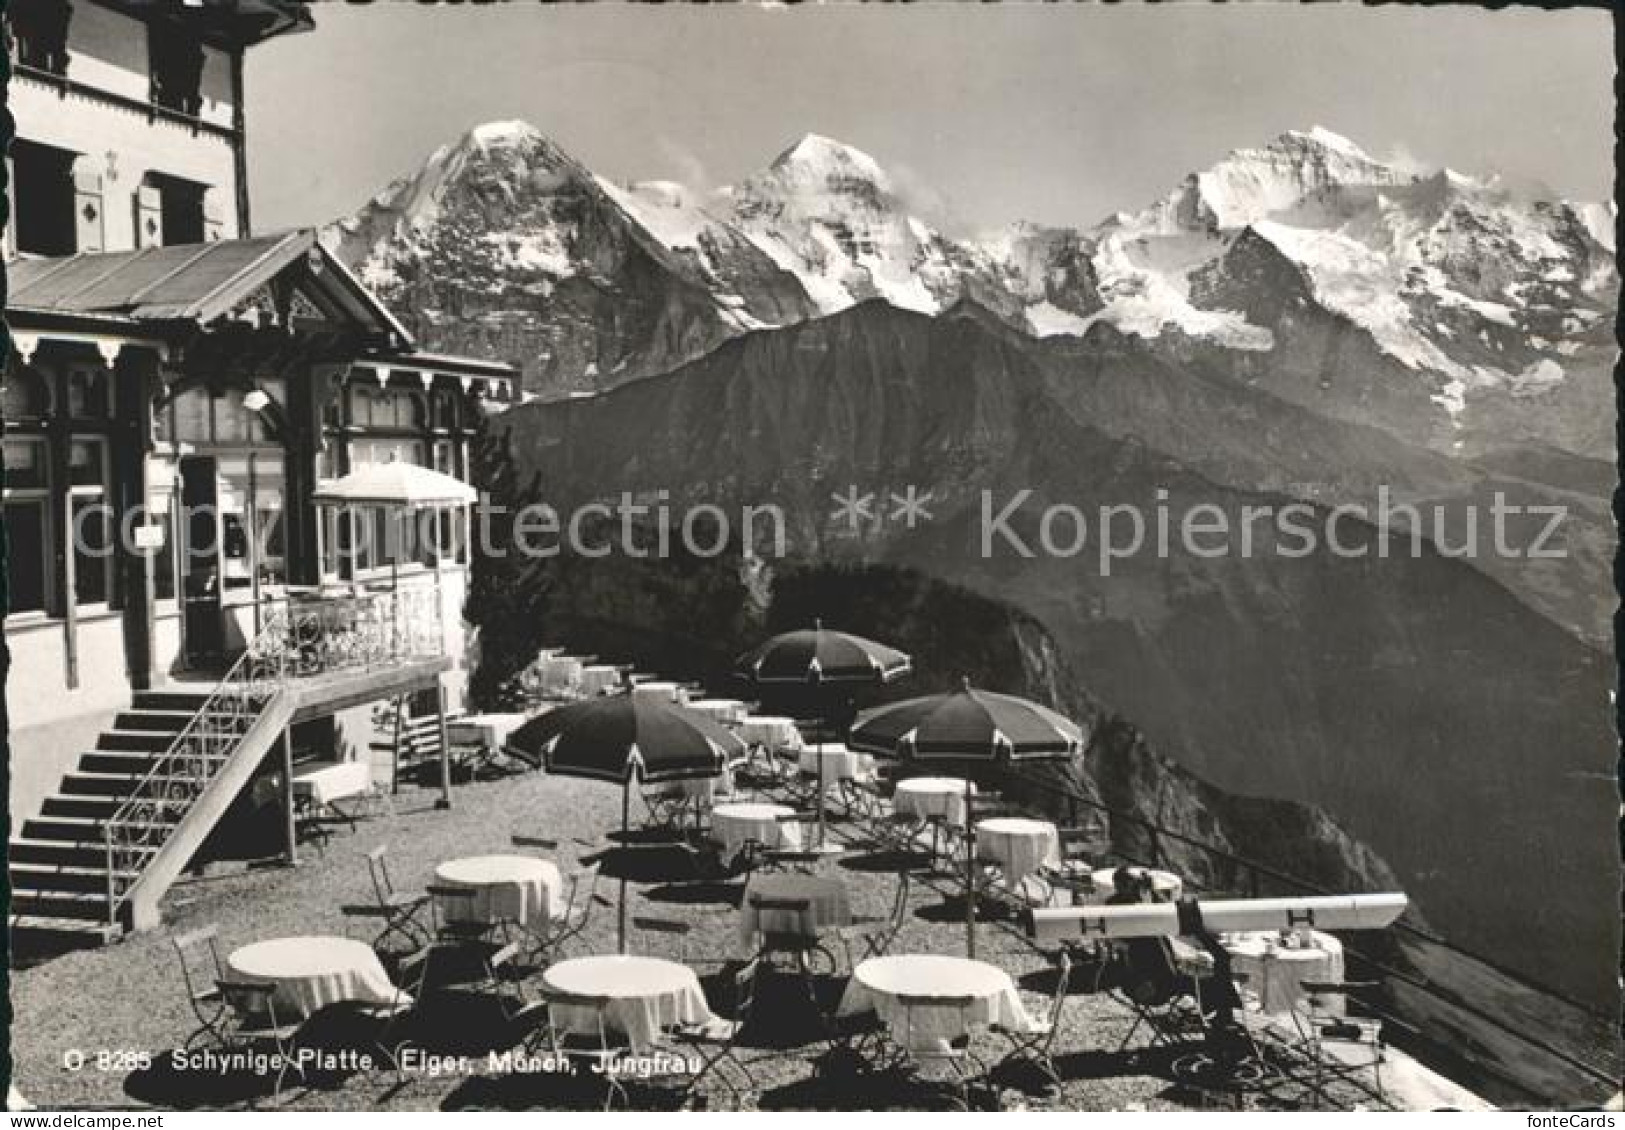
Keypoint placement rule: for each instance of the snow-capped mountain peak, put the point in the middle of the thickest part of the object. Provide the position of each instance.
(1477, 285)
(510, 132)
(815, 156)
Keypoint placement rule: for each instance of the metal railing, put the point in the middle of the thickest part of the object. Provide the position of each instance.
(1230, 872)
(309, 636)
(156, 804)
(362, 630)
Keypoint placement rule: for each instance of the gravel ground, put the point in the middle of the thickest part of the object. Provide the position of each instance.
(108, 1009)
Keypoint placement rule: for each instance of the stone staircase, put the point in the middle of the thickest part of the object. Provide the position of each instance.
(58, 862)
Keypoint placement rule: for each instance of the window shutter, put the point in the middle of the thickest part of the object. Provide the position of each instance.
(87, 211)
(149, 216)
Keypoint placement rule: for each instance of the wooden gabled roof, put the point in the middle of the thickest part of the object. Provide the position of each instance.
(196, 283)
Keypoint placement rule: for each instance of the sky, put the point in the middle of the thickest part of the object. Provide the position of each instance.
(982, 114)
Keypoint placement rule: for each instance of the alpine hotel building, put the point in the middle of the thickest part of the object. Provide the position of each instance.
(175, 372)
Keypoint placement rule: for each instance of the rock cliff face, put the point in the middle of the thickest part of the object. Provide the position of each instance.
(1411, 697)
(690, 617)
(503, 245)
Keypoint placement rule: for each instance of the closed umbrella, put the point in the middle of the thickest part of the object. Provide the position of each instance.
(967, 725)
(829, 666)
(622, 737)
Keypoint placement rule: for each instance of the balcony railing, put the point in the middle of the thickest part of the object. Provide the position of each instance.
(360, 631)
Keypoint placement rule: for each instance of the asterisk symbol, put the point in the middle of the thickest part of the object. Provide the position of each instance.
(910, 506)
(853, 508)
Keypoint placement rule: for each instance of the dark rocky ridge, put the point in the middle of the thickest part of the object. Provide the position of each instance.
(1416, 700)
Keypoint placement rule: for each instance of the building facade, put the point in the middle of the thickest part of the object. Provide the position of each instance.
(178, 388)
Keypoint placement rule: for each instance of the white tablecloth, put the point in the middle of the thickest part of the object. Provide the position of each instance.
(598, 678)
(1277, 974)
(646, 995)
(770, 730)
(1165, 885)
(324, 782)
(840, 763)
(1019, 846)
(932, 796)
(488, 731)
(725, 710)
(560, 672)
(733, 824)
(311, 973)
(827, 905)
(507, 888)
(877, 983)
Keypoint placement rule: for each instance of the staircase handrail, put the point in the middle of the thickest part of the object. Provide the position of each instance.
(241, 696)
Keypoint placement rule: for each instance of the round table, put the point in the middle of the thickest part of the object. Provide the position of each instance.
(827, 905)
(1276, 973)
(311, 973)
(1019, 846)
(644, 996)
(486, 731)
(560, 672)
(733, 824)
(724, 710)
(840, 763)
(877, 984)
(1165, 885)
(659, 689)
(932, 796)
(769, 730)
(507, 888)
(597, 678)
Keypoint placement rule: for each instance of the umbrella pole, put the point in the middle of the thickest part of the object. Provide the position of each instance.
(626, 824)
(819, 754)
(970, 871)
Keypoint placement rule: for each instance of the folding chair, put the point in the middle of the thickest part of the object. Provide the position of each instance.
(927, 1048)
(462, 950)
(399, 910)
(578, 909)
(668, 806)
(803, 858)
(1166, 1002)
(1033, 1046)
(668, 927)
(717, 1042)
(799, 942)
(592, 1041)
(252, 1025)
(201, 969)
(873, 938)
(1338, 1048)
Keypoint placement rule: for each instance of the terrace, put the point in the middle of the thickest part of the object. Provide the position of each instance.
(127, 1031)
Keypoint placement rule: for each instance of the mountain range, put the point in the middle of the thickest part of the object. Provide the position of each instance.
(1450, 309)
(1300, 322)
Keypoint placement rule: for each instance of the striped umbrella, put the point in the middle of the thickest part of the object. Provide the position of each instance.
(818, 657)
(826, 664)
(622, 737)
(967, 725)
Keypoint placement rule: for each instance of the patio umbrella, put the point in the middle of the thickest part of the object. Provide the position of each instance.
(827, 664)
(622, 737)
(397, 486)
(967, 725)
